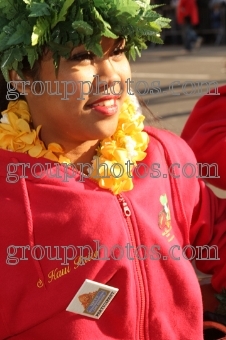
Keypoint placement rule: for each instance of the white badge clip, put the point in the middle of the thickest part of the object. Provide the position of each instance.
(92, 299)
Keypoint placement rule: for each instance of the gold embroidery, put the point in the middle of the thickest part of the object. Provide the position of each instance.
(57, 273)
(40, 284)
(81, 261)
(164, 219)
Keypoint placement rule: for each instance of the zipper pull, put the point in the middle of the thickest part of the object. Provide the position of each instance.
(124, 206)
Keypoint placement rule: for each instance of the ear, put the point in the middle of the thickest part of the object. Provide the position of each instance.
(21, 85)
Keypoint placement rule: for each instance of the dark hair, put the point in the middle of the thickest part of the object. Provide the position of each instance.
(151, 119)
(3, 92)
(27, 72)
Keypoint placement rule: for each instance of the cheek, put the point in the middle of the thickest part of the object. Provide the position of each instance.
(125, 72)
(78, 84)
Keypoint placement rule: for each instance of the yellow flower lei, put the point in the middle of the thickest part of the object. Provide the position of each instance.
(128, 143)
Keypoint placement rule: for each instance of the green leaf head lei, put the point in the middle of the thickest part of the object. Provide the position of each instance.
(26, 26)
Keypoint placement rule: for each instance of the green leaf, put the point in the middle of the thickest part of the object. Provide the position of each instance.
(155, 27)
(8, 30)
(107, 33)
(15, 65)
(5, 73)
(143, 3)
(82, 27)
(152, 16)
(64, 10)
(39, 9)
(128, 6)
(41, 32)
(22, 34)
(138, 52)
(94, 46)
(163, 22)
(9, 8)
(3, 41)
(26, 25)
(155, 6)
(56, 62)
(63, 50)
(4, 21)
(79, 15)
(98, 3)
(156, 40)
(8, 59)
(97, 50)
(32, 55)
(133, 52)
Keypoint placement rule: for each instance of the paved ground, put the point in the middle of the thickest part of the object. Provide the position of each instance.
(165, 65)
(174, 101)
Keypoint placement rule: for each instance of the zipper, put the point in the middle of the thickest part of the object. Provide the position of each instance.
(127, 213)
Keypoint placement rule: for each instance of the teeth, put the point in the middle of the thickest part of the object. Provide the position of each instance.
(106, 103)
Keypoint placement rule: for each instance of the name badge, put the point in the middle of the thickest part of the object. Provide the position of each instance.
(92, 299)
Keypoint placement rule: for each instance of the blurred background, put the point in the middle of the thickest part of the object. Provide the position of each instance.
(169, 78)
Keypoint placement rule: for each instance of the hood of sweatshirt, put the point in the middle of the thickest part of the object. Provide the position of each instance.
(48, 211)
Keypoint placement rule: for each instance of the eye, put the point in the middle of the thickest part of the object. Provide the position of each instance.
(119, 50)
(82, 56)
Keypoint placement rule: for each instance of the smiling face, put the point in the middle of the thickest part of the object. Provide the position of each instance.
(85, 116)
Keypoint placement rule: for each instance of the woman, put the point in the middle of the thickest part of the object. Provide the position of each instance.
(87, 196)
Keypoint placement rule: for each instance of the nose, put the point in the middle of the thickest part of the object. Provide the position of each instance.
(108, 79)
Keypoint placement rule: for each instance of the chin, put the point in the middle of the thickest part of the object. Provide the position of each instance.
(106, 130)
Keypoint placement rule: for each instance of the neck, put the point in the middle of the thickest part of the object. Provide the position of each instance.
(83, 153)
(75, 151)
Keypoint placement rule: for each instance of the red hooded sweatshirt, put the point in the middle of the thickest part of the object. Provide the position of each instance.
(159, 296)
(205, 132)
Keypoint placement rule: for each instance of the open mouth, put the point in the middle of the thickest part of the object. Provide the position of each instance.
(106, 105)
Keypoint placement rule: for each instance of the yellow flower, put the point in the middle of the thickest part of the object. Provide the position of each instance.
(17, 135)
(128, 143)
(20, 108)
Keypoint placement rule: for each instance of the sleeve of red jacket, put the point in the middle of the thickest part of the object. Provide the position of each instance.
(205, 216)
(207, 219)
(197, 207)
(208, 227)
(205, 132)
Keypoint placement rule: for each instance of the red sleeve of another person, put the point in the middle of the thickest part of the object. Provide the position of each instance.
(205, 132)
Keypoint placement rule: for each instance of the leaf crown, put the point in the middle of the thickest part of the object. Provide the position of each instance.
(26, 26)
